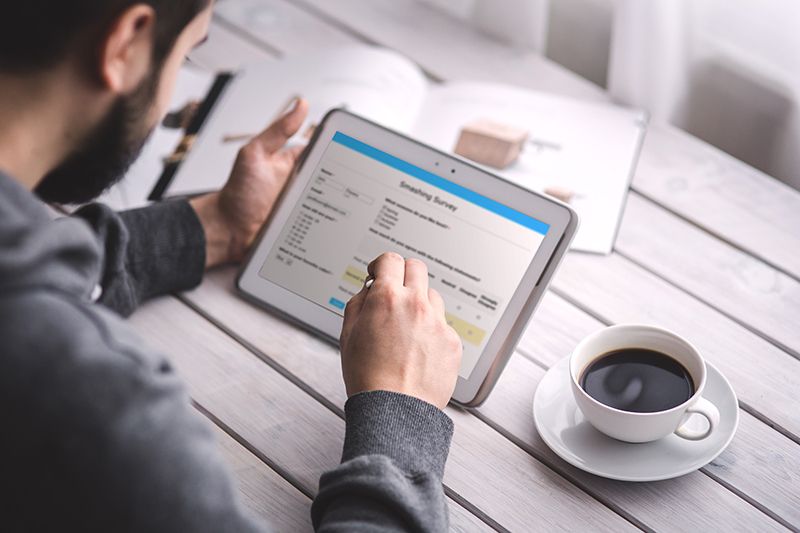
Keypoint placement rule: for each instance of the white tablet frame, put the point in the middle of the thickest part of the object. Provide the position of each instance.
(563, 222)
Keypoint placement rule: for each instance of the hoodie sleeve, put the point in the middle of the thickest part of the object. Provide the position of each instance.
(146, 252)
(390, 479)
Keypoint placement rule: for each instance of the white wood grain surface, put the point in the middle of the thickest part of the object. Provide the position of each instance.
(764, 376)
(215, 298)
(750, 274)
(697, 498)
(420, 32)
(267, 495)
(760, 464)
(488, 480)
(377, 19)
(280, 27)
(752, 292)
(702, 184)
(708, 247)
(226, 50)
(297, 435)
(723, 195)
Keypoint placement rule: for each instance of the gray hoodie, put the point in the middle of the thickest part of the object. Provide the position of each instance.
(98, 431)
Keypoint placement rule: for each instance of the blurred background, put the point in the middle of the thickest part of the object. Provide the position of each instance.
(727, 72)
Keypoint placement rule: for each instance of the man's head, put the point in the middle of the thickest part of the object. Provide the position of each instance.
(118, 60)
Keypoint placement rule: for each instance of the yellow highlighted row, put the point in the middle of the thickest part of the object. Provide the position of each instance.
(355, 276)
(469, 332)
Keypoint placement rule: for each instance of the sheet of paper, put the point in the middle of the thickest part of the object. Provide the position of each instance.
(586, 147)
(378, 84)
(132, 191)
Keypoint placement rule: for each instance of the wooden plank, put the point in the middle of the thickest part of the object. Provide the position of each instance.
(225, 50)
(714, 190)
(760, 463)
(746, 207)
(279, 27)
(500, 484)
(556, 329)
(296, 433)
(277, 503)
(764, 377)
(263, 492)
(755, 294)
(694, 495)
(298, 436)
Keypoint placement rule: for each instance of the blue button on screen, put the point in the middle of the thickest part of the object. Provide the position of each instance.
(336, 303)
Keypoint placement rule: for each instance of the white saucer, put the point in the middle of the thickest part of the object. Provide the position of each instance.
(566, 431)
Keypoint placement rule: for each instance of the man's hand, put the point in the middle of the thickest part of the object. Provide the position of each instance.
(232, 217)
(395, 336)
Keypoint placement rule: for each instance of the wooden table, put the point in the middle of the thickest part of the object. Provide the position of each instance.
(709, 248)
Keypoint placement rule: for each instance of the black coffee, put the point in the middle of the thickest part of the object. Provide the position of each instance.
(638, 380)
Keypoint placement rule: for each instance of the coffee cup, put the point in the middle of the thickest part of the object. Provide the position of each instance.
(621, 365)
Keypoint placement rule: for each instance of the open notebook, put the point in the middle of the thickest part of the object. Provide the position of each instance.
(588, 148)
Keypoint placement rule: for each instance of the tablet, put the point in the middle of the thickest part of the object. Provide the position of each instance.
(359, 190)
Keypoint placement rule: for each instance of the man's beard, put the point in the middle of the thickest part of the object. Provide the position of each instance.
(105, 155)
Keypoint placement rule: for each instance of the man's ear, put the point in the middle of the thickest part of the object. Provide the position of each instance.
(126, 51)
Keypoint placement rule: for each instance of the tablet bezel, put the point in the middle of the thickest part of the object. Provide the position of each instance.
(562, 219)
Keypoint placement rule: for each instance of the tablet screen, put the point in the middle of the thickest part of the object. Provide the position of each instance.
(361, 202)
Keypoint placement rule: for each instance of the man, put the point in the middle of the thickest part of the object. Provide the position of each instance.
(98, 433)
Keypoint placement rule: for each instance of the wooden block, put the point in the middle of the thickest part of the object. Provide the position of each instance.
(562, 193)
(491, 143)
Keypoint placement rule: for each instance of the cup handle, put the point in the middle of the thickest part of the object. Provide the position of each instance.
(709, 411)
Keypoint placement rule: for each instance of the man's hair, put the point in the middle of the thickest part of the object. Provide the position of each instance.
(38, 34)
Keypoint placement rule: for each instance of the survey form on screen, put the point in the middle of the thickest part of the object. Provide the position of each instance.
(361, 202)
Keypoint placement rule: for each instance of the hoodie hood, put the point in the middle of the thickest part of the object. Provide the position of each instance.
(37, 250)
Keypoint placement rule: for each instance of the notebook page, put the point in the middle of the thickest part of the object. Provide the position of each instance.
(586, 147)
(378, 84)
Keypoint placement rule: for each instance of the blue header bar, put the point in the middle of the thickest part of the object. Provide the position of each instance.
(432, 179)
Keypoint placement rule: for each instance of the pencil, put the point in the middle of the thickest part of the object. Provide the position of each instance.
(238, 137)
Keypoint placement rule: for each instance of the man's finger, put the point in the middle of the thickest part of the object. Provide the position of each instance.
(388, 269)
(287, 157)
(436, 301)
(293, 152)
(275, 136)
(284, 161)
(351, 312)
(354, 305)
(416, 276)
